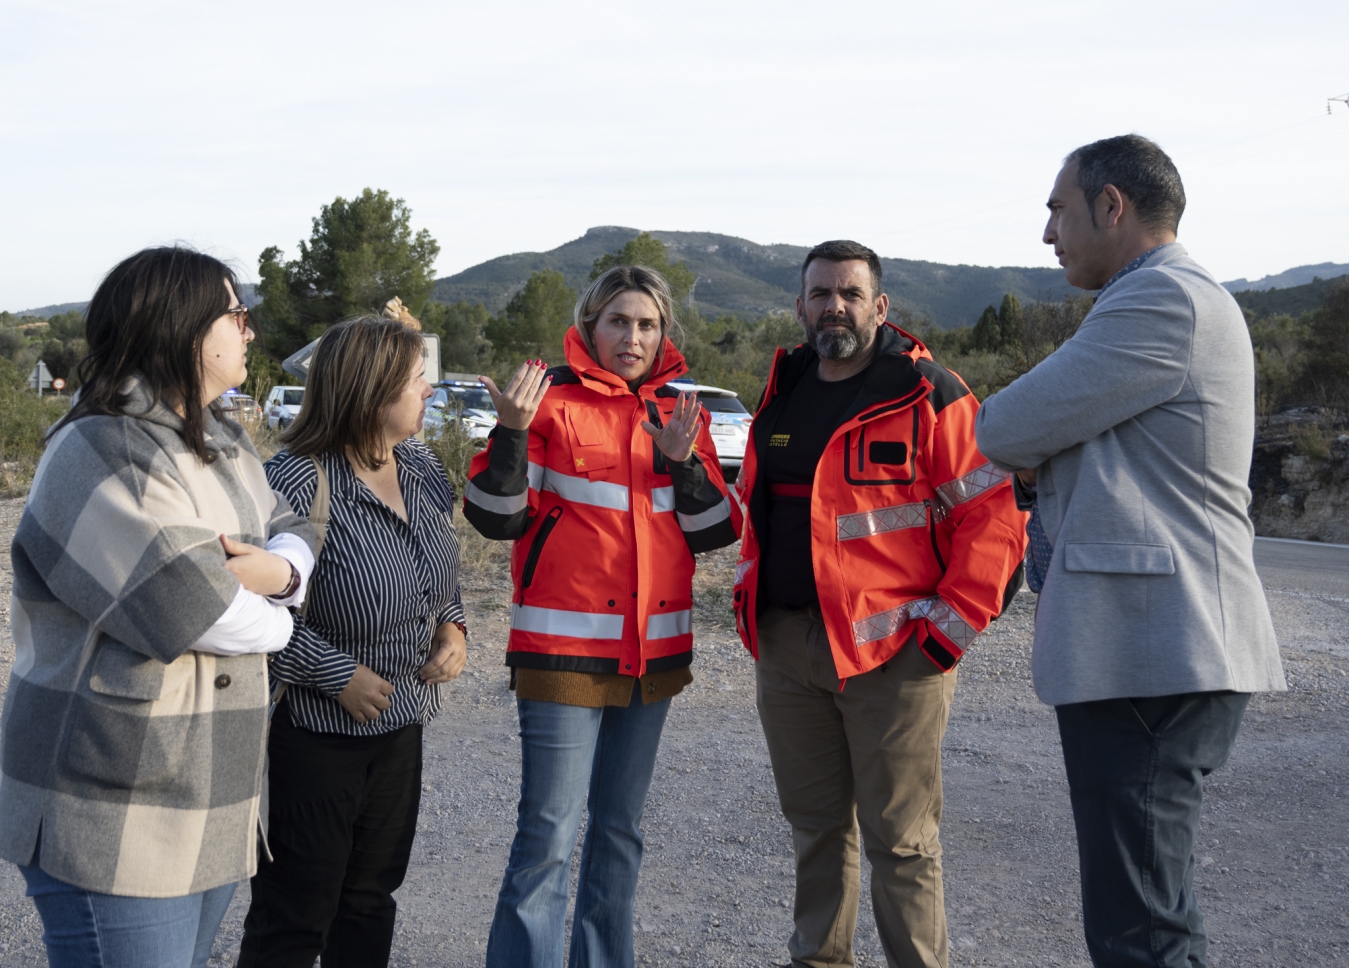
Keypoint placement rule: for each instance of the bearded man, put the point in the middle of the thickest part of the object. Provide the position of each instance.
(879, 543)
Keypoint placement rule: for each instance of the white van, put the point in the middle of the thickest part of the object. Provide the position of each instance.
(283, 406)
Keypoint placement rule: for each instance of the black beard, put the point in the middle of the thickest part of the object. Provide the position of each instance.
(836, 344)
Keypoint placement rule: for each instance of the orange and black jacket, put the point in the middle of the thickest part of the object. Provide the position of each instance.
(913, 533)
(605, 527)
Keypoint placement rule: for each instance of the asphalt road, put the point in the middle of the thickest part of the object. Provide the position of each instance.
(716, 885)
(1303, 566)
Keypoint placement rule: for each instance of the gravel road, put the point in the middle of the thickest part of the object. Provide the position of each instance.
(716, 884)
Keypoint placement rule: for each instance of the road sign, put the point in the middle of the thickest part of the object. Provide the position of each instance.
(40, 378)
(58, 384)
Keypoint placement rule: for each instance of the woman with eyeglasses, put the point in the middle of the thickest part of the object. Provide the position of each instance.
(604, 475)
(153, 565)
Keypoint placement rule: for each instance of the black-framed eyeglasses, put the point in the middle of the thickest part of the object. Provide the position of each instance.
(240, 314)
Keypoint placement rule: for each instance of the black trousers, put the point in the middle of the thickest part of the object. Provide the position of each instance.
(342, 818)
(1135, 774)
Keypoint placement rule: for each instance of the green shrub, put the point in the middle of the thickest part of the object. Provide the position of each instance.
(24, 422)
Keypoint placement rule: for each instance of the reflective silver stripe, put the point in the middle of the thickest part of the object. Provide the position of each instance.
(557, 621)
(971, 485)
(950, 624)
(496, 503)
(705, 519)
(600, 494)
(934, 609)
(662, 499)
(535, 476)
(864, 524)
(742, 569)
(669, 624)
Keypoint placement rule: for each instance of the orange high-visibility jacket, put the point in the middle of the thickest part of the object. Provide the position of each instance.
(605, 527)
(913, 532)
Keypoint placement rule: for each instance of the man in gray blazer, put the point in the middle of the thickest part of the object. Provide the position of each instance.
(1152, 630)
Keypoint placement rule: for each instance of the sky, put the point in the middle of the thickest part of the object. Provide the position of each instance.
(927, 131)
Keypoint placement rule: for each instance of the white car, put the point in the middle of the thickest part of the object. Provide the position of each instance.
(282, 406)
(730, 423)
(470, 404)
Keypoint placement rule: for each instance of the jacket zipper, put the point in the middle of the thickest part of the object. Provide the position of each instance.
(932, 533)
(545, 529)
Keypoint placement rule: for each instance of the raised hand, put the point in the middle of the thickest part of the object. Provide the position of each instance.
(675, 439)
(520, 400)
(258, 570)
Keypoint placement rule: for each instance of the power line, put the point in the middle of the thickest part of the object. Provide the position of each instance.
(1330, 101)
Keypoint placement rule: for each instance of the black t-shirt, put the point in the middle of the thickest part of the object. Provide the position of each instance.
(798, 435)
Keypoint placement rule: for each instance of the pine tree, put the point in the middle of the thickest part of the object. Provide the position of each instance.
(1011, 324)
(987, 332)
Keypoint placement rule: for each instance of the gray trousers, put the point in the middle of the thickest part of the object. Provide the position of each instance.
(868, 755)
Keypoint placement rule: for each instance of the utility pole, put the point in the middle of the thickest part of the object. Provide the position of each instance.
(1343, 98)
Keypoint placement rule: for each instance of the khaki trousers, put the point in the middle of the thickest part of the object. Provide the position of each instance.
(870, 755)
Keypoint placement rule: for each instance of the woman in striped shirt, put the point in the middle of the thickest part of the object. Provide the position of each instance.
(384, 630)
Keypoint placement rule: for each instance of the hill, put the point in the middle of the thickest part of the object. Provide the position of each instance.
(1289, 278)
(247, 292)
(746, 279)
(1293, 301)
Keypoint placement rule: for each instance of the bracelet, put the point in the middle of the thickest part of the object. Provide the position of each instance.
(462, 628)
(293, 586)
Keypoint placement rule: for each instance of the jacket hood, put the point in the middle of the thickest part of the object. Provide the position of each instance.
(670, 363)
(220, 435)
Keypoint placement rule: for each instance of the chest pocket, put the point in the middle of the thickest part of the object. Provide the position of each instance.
(881, 452)
(594, 445)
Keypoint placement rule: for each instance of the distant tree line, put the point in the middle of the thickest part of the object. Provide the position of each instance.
(363, 251)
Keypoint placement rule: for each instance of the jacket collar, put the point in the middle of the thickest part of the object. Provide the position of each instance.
(891, 375)
(1157, 255)
(669, 364)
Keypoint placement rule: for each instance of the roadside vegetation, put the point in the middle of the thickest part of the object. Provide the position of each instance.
(363, 251)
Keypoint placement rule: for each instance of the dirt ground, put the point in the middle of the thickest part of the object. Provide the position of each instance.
(716, 885)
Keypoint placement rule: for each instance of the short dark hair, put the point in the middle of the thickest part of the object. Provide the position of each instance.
(358, 370)
(842, 250)
(149, 317)
(1139, 169)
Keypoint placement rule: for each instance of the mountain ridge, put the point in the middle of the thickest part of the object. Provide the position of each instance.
(740, 277)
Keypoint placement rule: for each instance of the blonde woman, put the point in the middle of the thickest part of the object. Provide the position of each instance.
(605, 477)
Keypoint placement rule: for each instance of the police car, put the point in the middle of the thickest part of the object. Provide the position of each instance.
(730, 422)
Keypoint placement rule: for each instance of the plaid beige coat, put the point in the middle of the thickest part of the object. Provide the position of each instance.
(138, 761)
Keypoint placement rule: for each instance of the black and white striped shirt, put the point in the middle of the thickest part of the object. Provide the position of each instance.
(381, 587)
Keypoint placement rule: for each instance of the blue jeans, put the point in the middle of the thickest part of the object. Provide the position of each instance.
(566, 751)
(85, 929)
(1136, 771)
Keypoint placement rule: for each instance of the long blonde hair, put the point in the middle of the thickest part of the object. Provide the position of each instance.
(622, 279)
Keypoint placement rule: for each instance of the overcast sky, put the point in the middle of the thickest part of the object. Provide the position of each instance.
(927, 131)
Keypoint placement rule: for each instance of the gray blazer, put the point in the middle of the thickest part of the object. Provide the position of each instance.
(1142, 427)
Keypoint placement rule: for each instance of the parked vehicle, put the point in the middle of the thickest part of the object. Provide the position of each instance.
(730, 423)
(239, 406)
(283, 406)
(469, 403)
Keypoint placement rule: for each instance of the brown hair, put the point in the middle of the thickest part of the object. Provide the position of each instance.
(149, 318)
(360, 367)
(618, 280)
